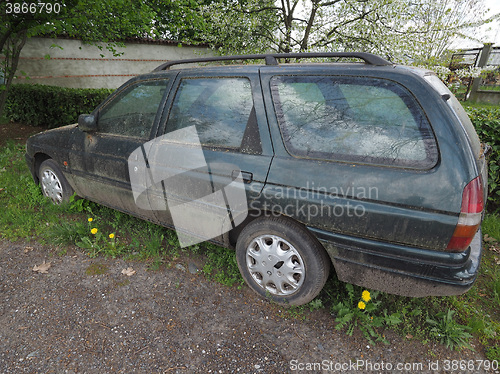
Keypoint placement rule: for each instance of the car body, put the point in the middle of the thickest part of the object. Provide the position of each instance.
(372, 167)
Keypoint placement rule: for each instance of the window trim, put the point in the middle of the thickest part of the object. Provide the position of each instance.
(430, 142)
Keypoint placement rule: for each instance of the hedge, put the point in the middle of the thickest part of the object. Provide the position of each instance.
(49, 106)
(487, 124)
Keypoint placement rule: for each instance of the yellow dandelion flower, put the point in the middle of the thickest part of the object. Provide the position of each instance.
(91, 219)
(361, 305)
(93, 231)
(366, 296)
(111, 236)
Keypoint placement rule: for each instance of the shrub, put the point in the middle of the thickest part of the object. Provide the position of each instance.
(487, 124)
(49, 106)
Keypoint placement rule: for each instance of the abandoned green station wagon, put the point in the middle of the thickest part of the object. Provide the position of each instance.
(372, 167)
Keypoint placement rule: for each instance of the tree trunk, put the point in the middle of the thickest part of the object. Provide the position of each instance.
(13, 47)
(287, 14)
(4, 38)
(310, 22)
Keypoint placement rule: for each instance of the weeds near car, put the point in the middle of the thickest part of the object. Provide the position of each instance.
(98, 242)
(360, 311)
(448, 332)
(67, 233)
(480, 307)
(221, 266)
(423, 319)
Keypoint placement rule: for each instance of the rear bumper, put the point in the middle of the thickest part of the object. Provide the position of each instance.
(402, 270)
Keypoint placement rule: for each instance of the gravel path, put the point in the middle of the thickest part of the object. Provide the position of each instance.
(74, 320)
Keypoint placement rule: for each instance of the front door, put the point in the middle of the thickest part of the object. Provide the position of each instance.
(100, 160)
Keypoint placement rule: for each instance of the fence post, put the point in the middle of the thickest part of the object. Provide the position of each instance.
(483, 60)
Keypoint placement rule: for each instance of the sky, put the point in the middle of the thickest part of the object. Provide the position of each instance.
(492, 36)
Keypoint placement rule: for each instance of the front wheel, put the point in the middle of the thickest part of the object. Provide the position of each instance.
(280, 259)
(54, 184)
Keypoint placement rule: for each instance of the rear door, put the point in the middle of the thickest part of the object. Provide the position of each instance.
(212, 158)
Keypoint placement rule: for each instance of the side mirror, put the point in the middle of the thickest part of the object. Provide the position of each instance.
(87, 123)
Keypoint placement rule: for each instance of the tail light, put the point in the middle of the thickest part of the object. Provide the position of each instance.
(470, 216)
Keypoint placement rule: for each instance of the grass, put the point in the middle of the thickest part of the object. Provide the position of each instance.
(96, 269)
(491, 226)
(471, 104)
(221, 266)
(28, 216)
(480, 307)
(25, 212)
(490, 88)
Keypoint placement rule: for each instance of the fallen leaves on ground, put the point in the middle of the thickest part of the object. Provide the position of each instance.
(128, 272)
(491, 243)
(42, 268)
(494, 249)
(489, 239)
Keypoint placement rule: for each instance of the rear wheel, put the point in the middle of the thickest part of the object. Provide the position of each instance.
(280, 259)
(54, 184)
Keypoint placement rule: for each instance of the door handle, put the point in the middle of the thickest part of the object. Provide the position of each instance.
(247, 176)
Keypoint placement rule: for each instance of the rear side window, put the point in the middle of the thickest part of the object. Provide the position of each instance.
(220, 109)
(354, 119)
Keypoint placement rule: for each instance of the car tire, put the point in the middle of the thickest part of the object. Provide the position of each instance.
(53, 183)
(281, 260)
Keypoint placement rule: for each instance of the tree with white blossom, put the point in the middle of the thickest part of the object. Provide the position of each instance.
(401, 30)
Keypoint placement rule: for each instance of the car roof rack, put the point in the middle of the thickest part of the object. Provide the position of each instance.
(271, 58)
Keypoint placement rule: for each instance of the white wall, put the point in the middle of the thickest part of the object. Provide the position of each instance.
(81, 66)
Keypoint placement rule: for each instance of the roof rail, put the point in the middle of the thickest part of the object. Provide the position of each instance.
(271, 58)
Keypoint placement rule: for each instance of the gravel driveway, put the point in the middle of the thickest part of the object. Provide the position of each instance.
(85, 316)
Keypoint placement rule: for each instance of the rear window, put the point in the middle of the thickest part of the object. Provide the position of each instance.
(459, 112)
(355, 119)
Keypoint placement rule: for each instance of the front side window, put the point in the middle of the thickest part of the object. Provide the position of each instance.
(219, 108)
(354, 119)
(132, 111)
